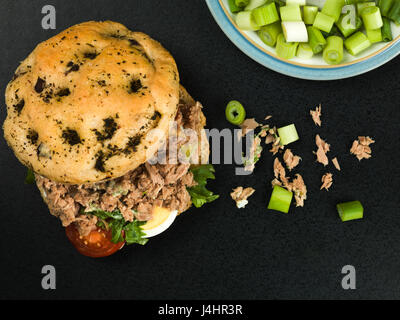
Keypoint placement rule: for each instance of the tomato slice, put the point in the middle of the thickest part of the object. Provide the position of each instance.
(96, 244)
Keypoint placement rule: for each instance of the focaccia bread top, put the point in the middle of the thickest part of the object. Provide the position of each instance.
(82, 106)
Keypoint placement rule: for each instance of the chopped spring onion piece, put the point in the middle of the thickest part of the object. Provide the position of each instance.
(374, 35)
(290, 13)
(304, 51)
(394, 13)
(350, 210)
(385, 6)
(333, 52)
(323, 22)
(357, 43)
(288, 134)
(362, 5)
(269, 33)
(334, 32)
(318, 3)
(233, 7)
(242, 3)
(372, 18)
(245, 21)
(266, 14)
(386, 30)
(348, 2)
(285, 50)
(280, 199)
(255, 4)
(316, 40)
(333, 8)
(296, 2)
(309, 12)
(235, 112)
(346, 26)
(295, 31)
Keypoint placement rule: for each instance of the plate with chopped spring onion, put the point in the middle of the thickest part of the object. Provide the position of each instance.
(313, 39)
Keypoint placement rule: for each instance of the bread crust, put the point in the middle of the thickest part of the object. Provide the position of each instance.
(82, 106)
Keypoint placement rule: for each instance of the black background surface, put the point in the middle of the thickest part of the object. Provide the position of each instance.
(219, 252)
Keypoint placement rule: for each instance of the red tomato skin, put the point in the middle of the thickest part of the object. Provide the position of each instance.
(98, 249)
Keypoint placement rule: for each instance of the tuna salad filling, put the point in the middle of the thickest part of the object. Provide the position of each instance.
(136, 193)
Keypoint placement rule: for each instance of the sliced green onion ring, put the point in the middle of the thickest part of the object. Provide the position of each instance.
(285, 50)
(333, 52)
(245, 21)
(310, 12)
(374, 35)
(316, 39)
(255, 4)
(386, 30)
(235, 112)
(295, 31)
(357, 43)
(323, 22)
(372, 18)
(269, 33)
(290, 13)
(280, 199)
(266, 14)
(304, 51)
(333, 8)
(288, 134)
(350, 210)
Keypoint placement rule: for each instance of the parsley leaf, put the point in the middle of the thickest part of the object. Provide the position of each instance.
(134, 234)
(199, 193)
(115, 222)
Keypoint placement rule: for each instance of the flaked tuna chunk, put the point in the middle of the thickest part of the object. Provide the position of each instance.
(327, 180)
(290, 160)
(279, 170)
(255, 154)
(323, 148)
(240, 196)
(177, 172)
(298, 187)
(272, 137)
(361, 148)
(276, 182)
(249, 125)
(144, 211)
(85, 224)
(108, 202)
(336, 163)
(280, 173)
(316, 115)
(154, 174)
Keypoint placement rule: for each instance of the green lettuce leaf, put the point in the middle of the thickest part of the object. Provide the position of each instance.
(199, 193)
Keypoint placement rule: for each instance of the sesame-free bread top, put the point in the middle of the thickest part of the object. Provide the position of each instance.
(83, 106)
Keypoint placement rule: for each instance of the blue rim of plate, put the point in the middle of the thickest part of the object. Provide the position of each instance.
(293, 70)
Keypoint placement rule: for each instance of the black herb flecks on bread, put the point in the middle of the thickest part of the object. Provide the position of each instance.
(81, 106)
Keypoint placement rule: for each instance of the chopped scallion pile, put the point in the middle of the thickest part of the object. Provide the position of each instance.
(357, 24)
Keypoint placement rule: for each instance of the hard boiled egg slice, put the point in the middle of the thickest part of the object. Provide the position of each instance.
(161, 221)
